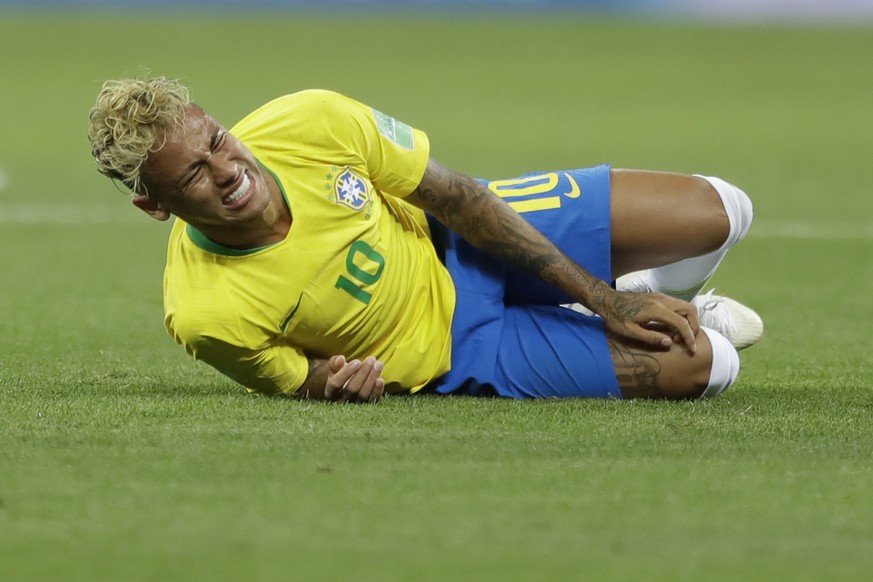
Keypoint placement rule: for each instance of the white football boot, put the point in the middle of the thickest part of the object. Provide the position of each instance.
(738, 323)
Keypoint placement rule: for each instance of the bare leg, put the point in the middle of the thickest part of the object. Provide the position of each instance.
(671, 374)
(659, 218)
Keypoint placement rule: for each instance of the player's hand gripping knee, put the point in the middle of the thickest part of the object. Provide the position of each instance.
(354, 381)
(652, 318)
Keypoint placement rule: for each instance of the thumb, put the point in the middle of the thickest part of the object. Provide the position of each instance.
(336, 363)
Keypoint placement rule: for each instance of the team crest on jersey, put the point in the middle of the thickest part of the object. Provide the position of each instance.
(351, 190)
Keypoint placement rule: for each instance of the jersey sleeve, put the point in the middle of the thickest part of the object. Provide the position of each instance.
(395, 154)
(273, 370)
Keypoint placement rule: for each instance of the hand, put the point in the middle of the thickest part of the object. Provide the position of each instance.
(355, 381)
(652, 318)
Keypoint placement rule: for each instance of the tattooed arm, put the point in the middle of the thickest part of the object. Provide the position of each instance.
(488, 223)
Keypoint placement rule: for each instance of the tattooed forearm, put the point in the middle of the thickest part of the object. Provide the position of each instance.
(490, 224)
(487, 222)
(624, 307)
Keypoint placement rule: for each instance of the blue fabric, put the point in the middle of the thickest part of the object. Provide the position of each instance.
(510, 337)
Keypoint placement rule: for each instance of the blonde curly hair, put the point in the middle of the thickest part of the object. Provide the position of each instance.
(129, 117)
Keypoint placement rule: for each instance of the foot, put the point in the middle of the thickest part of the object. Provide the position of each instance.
(636, 282)
(739, 324)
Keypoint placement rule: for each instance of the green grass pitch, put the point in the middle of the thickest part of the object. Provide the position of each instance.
(120, 459)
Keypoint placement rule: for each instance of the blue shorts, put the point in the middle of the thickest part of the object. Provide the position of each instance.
(510, 335)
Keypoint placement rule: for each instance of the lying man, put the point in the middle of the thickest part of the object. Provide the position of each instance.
(319, 251)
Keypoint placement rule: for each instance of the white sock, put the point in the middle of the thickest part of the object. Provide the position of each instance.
(725, 364)
(686, 278)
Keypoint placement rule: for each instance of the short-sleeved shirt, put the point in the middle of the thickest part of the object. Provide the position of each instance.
(356, 275)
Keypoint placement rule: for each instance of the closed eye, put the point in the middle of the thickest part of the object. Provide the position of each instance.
(216, 143)
(191, 179)
(220, 140)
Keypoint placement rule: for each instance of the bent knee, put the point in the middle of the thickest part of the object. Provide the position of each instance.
(709, 372)
(725, 365)
(686, 375)
(676, 374)
(737, 206)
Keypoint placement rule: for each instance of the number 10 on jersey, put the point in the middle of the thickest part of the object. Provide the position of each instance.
(360, 263)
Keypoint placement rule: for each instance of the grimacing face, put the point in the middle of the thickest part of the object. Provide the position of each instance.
(203, 175)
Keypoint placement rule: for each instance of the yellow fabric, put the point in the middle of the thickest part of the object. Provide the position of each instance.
(357, 274)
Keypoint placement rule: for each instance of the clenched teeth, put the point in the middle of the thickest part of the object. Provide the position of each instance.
(238, 193)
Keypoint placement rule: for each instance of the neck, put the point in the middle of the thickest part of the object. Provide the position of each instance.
(270, 227)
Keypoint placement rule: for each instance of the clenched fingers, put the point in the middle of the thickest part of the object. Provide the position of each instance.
(366, 382)
(654, 319)
(355, 381)
(680, 323)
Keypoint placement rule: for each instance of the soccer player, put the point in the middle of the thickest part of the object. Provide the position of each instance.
(319, 251)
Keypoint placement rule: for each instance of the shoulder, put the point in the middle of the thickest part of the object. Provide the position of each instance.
(302, 107)
(195, 291)
(319, 98)
(194, 318)
(314, 118)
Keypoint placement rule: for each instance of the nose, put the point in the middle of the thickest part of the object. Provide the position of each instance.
(224, 170)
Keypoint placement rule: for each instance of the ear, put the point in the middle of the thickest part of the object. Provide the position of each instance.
(150, 207)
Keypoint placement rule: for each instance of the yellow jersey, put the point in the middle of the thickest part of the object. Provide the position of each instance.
(356, 275)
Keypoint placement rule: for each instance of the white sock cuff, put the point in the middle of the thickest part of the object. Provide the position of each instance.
(725, 364)
(738, 207)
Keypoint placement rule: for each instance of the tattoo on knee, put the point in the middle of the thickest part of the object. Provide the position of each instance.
(638, 371)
